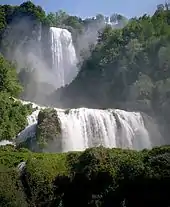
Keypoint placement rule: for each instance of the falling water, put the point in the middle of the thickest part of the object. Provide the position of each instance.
(30, 130)
(63, 56)
(84, 128)
(39, 36)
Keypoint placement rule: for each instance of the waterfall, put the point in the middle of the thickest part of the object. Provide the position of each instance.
(63, 56)
(84, 128)
(30, 130)
(39, 36)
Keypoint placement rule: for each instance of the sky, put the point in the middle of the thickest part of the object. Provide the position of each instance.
(88, 8)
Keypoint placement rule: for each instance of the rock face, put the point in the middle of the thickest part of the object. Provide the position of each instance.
(48, 133)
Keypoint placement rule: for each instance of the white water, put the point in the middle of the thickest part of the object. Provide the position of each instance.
(63, 56)
(83, 128)
(21, 166)
(6, 142)
(30, 130)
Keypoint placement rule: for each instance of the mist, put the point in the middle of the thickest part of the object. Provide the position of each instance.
(88, 39)
(26, 50)
(34, 68)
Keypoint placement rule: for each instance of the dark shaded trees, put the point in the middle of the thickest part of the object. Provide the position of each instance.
(97, 177)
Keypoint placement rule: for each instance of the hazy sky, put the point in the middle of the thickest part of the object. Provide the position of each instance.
(84, 8)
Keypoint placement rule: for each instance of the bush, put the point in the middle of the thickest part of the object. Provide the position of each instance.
(13, 116)
(8, 78)
(96, 177)
(11, 191)
(48, 128)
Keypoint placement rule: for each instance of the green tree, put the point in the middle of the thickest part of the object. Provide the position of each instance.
(8, 78)
(11, 191)
(29, 9)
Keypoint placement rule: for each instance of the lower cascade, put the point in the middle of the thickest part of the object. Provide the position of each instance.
(83, 128)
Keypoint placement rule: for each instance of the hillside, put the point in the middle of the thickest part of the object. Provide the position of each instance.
(123, 67)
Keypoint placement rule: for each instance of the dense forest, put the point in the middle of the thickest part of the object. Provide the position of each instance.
(97, 177)
(126, 67)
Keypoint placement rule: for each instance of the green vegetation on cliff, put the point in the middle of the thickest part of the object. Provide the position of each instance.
(48, 128)
(13, 116)
(96, 177)
(11, 190)
(127, 65)
(12, 113)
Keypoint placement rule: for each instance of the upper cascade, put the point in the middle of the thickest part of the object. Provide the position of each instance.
(64, 60)
(83, 128)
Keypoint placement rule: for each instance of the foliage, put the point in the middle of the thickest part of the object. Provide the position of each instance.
(48, 128)
(12, 113)
(12, 116)
(11, 191)
(95, 177)
(29, 9)
(8, 78)
(26, 9)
